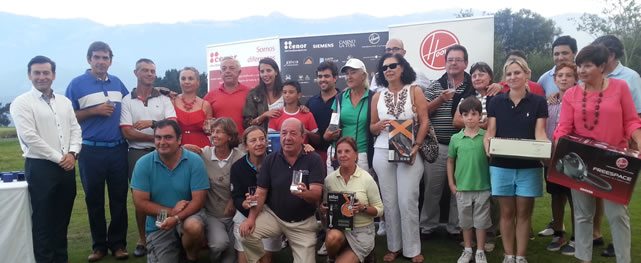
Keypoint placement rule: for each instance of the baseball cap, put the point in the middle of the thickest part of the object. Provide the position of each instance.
(353, 63)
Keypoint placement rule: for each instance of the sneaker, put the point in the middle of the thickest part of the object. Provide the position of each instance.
(556, 243)
(509, 259)
(568, 249)
(489, 246)
(284, 243)
(322, 251)
(548, 231)
(520, 260)
(480, 257)
(140, 251)
(531, 235)
(381, 228)
(609, 252)
(465, 257)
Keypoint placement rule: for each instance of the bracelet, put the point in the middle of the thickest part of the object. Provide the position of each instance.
(363, 209)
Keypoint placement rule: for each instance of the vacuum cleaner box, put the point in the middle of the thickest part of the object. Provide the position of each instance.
(595, 168)
(520, 148)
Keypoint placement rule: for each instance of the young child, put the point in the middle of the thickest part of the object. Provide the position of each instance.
(291, 96)
(468, 176)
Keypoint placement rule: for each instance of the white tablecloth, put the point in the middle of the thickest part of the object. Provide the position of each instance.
(16, 244)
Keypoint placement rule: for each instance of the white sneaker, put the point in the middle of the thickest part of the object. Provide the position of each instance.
(521, 260)
(509, 259)
(465, 257)
(322, 251)
(480, 257)
(381, 228)
(489, 246)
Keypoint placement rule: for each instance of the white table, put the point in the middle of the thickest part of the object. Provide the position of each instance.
(16, 243)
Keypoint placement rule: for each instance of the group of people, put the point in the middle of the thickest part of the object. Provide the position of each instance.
(201, 176)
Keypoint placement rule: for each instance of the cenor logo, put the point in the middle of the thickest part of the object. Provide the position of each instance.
(622, 163)
(433, 48)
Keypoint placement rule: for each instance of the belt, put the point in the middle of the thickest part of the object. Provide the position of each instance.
(103, 144)
(150, 149)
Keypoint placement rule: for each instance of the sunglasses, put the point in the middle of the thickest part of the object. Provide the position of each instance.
(390, 66)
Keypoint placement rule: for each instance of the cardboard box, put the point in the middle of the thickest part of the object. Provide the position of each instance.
(401, 140)
(595, 168)
(339, 214)
(520, 148)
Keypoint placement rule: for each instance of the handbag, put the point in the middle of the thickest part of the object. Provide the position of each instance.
(429, 148)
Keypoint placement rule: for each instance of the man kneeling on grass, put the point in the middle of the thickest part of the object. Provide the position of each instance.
(170, 185)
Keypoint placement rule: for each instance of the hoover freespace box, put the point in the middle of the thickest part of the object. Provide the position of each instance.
(596, 168)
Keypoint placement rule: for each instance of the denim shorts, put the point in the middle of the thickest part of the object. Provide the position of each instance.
(524, 182)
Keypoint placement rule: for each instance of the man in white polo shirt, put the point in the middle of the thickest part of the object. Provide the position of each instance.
(140, 111)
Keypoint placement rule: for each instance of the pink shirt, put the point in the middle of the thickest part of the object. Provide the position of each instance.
(618, 118)
(228, 104)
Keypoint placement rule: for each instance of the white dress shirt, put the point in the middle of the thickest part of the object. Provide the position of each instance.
(46, 130)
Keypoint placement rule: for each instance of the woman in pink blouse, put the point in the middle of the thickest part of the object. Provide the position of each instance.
(601, 109)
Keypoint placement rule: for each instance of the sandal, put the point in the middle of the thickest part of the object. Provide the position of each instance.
(391, 256)
(418, 259)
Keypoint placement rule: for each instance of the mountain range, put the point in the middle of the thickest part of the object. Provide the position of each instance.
(169, 45)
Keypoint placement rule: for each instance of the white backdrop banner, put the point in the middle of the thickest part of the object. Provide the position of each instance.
(426, 43)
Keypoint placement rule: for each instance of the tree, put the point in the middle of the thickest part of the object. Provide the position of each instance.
(171, 81)
(4, 114)
(621, 18)
(462, 13)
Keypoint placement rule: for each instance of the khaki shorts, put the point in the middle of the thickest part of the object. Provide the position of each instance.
(474, 209)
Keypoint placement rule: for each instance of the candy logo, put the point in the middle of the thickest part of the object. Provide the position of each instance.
(433, 48)
(622, 163)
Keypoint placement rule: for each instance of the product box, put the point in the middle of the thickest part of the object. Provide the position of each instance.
(520, 148)
(595, 168)
(401, 140)
(339, 214)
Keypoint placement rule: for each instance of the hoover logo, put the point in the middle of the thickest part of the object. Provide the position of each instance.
(622, 163)
(290, 46)
(433, 48)
(374, 38)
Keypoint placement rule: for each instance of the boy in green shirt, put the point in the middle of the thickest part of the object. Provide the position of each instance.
(468, 176)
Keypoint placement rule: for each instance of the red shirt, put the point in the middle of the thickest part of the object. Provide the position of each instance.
(307, 118)
(228, 104)
(535, 88)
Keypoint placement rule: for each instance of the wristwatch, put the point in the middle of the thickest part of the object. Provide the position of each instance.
(363, 209)
(74, 154)
(574, 167)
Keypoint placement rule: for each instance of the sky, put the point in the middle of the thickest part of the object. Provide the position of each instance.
(122, 12)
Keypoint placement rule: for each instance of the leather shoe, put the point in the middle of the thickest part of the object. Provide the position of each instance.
(121, 254)
(140, 251)
(96, 255)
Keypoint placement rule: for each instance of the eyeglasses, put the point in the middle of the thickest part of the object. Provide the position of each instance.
(457, 60)
(389, 66)
(393, 49)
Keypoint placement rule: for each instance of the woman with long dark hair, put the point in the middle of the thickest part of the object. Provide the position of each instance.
(264, 101)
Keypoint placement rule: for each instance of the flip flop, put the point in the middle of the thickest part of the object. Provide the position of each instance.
(418, 259)
(391, 256)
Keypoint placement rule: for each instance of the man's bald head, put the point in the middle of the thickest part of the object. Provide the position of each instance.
(395, 46)
(292, 136)
(294, 122)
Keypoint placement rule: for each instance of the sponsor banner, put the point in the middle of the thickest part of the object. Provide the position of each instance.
(248, 53)
(300, 56)
(426, 43)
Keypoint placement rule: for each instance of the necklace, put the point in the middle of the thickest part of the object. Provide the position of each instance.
(596, 108)
(188, 105)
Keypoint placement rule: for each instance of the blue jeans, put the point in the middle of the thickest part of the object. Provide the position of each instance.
(100, 165)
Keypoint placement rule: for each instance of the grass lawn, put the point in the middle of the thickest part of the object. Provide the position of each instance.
(434, 250)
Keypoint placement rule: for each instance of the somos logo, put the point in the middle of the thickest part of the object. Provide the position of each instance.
(622, 163)
(433, 48)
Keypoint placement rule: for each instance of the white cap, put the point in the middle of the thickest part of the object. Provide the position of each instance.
(353, 63)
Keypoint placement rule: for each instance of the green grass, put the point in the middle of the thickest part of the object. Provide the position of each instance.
(7, 132)
(434, 250)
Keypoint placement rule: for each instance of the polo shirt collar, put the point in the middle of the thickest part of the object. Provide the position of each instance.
(154, 93)
(528, 95)
(480, 133)
(617, 70)
(282, 155)
(88, 72)
(551, 71)
(239, 87)
(183, 157)
(215, 158)
(357, 172)
(39, 95)
(349, 93)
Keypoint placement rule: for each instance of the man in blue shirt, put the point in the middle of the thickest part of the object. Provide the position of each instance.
(96, 98)
(563, 51)
(174, 180)
(321, 105)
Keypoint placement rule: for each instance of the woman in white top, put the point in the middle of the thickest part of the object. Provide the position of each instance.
(399, 181)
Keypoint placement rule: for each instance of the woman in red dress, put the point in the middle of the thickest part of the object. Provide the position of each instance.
(192, 111)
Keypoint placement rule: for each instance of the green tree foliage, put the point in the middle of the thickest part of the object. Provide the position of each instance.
(171, 81)
(462, 13)
(4, 114)
(621, 18)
